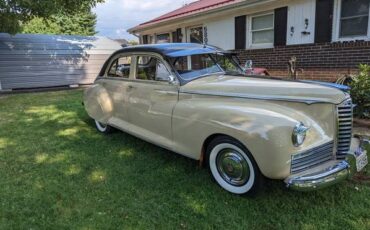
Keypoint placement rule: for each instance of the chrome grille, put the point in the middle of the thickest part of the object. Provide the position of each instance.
(344, 128)
(312, 157)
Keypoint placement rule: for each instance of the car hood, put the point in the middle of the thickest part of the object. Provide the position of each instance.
(263, 88)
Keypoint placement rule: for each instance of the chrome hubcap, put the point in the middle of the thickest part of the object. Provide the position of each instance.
(232, 167)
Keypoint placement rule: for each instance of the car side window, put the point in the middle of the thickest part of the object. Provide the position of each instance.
(151, 68)
(120, 67)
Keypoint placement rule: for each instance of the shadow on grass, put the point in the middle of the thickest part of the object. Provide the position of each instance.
(57, 171)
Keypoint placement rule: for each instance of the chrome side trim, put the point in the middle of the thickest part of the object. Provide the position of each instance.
(248, 96)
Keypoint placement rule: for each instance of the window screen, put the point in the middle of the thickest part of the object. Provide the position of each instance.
(263, 29)
(354, 18)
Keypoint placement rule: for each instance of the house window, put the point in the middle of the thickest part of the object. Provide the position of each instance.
(163, 38)
(354, 18)
(261, 31)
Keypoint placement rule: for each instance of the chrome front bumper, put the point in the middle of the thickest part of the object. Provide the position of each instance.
(325, 175)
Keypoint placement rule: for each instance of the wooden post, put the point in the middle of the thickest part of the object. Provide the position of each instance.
(292, 68)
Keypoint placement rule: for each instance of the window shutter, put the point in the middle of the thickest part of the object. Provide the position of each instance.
(145, 39)
(176, 35)
(179, 35)
(281, 24)
(240, 32)
(324, 20)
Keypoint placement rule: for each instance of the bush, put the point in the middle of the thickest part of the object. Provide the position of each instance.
(360, 92)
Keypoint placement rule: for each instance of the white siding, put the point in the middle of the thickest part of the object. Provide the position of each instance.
(221, 33)
(221, 25)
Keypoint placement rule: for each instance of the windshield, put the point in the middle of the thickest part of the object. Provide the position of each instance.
(228, 64)
(195, 66)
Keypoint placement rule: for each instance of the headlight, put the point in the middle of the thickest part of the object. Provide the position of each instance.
(299, 134)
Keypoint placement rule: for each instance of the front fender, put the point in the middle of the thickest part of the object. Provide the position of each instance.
(264, 127)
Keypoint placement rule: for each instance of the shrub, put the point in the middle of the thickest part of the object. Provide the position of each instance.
(360, 91)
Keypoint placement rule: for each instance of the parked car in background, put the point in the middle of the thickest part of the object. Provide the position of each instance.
(196, 101)
(250, 70)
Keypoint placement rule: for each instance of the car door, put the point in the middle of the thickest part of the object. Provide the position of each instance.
(152, 98)
(116, 81)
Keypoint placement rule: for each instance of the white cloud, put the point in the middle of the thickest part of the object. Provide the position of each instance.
(120, 32)
(116, 16)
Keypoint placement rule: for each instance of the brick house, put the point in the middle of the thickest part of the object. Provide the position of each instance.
(329, 38)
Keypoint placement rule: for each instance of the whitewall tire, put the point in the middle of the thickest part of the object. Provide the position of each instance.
(103, 128)
(232, 166)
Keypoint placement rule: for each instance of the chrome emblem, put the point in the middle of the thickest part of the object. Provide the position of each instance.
(347, 103)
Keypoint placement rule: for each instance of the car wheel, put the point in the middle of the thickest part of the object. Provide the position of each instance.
(233, 167)
(103, 128)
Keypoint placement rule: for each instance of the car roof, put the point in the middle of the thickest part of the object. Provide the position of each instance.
(175, 49)
(169, 50)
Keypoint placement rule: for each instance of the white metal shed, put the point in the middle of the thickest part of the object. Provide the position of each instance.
(35, 61)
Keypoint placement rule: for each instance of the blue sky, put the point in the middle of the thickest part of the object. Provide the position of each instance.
(116, 16)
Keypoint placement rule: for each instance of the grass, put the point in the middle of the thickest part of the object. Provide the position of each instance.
(57, 172)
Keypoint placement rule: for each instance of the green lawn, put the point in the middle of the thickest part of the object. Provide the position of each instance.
(57, 172)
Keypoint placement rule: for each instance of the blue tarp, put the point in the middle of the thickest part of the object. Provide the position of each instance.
(333, 85)
(194, 51)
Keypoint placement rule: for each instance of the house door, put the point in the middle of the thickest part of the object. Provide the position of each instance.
(301, 22)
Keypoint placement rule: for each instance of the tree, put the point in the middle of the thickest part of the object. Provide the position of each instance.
(133, 43)
(81, 23)
(14, 13)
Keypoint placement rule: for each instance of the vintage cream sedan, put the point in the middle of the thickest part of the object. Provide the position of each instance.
(195, 100)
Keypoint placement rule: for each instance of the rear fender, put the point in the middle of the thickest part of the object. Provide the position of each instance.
(98, 103)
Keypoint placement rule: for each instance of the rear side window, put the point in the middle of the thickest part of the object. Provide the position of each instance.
(120, 67)
(152, 69)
